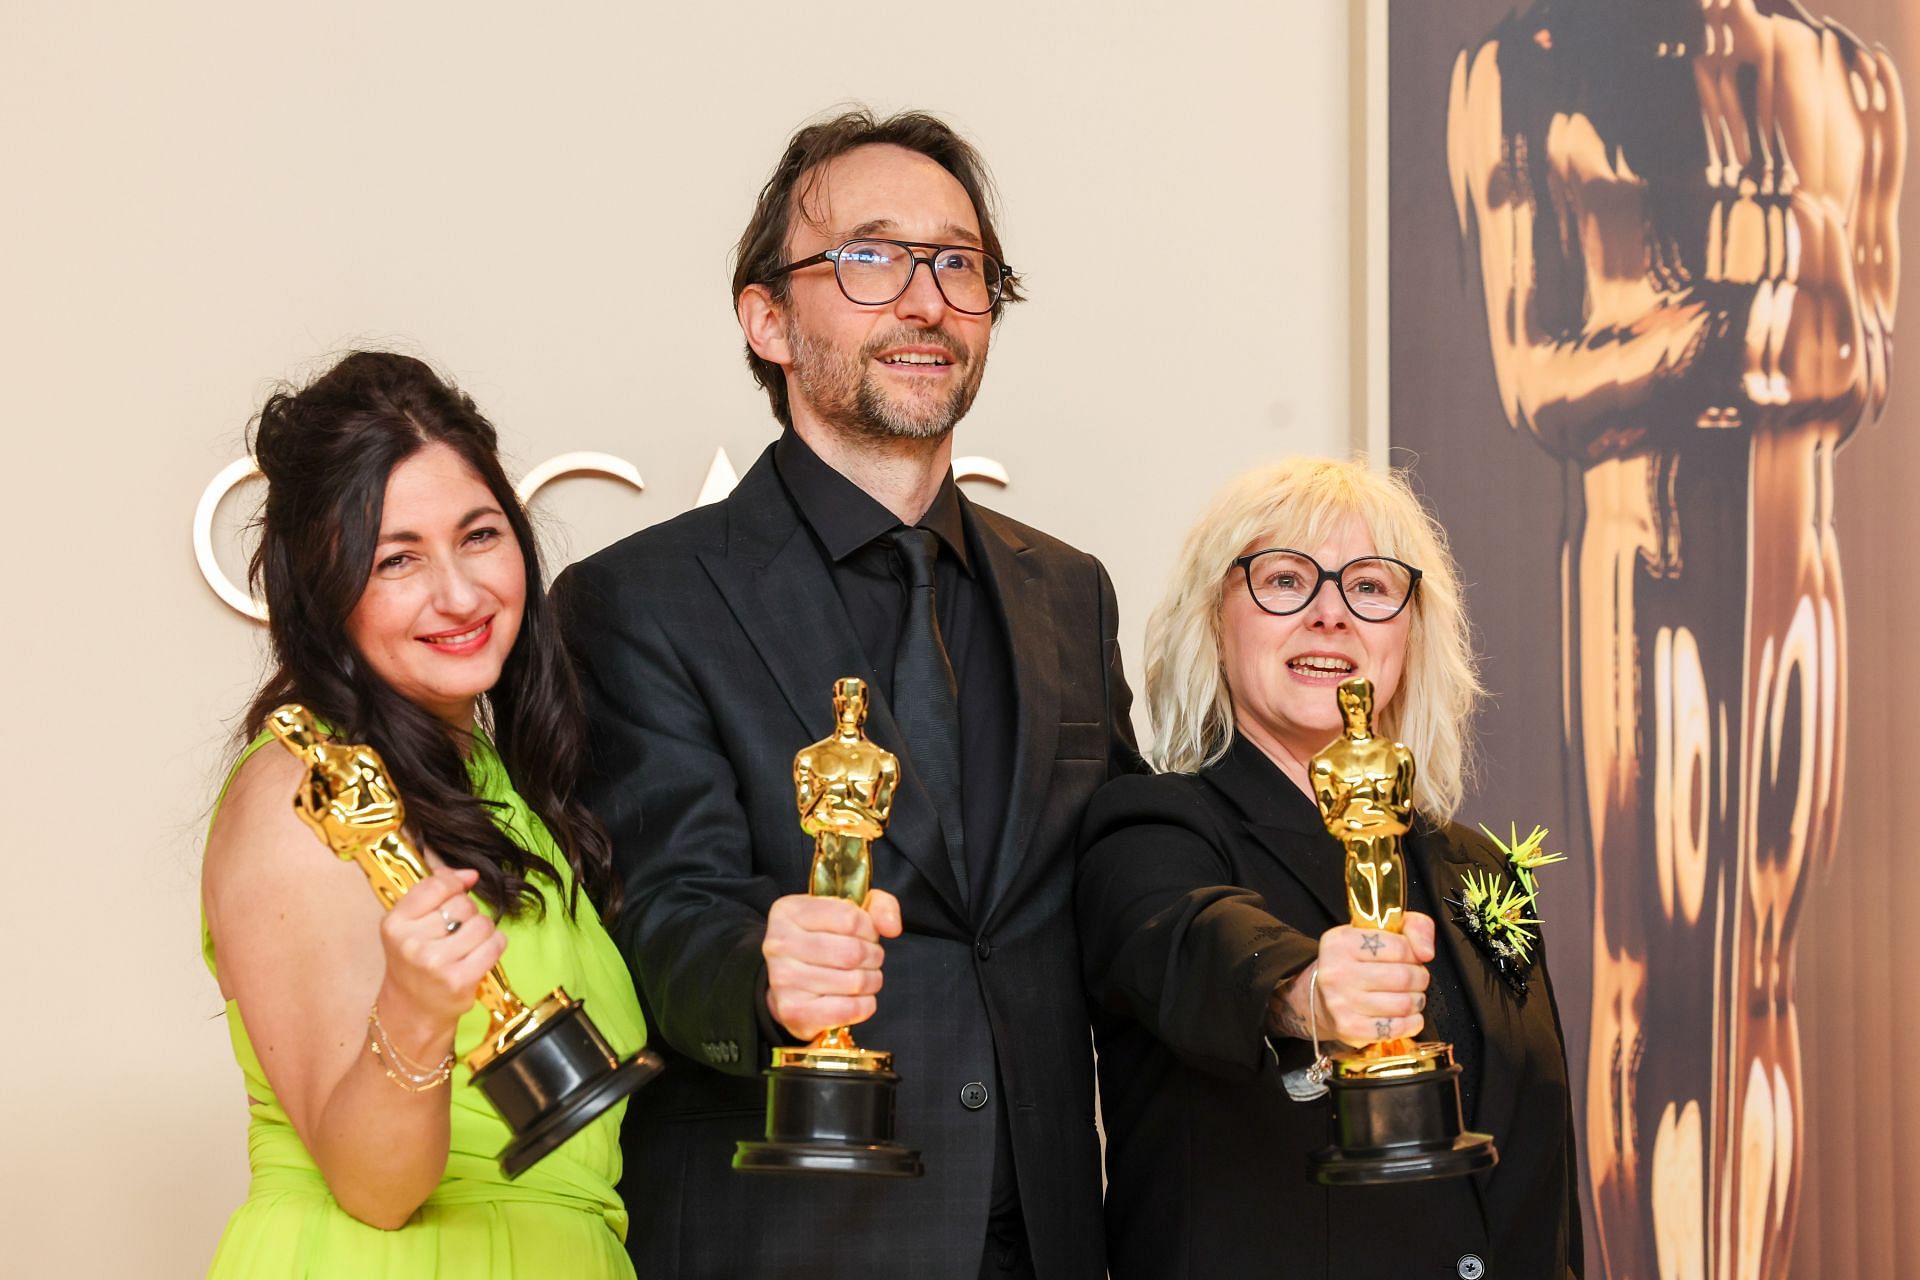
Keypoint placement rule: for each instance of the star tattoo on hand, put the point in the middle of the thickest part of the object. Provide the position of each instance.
(1372, 944)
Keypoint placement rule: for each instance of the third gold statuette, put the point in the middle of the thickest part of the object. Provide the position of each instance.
(1396, 1103)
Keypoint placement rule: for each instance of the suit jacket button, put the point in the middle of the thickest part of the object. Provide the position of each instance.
(983, 949)
(1470, 1267)
(973, 1095)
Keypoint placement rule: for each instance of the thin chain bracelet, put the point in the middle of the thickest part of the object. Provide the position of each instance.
(1322, 1064)
(408, 1075)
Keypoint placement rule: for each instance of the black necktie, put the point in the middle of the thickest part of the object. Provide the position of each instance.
(926, 697)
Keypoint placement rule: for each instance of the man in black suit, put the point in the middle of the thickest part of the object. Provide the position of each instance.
(867, 285)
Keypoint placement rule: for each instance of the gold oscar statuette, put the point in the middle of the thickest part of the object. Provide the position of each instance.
(1396, 1103)
(545, 1067)
(830, 1103)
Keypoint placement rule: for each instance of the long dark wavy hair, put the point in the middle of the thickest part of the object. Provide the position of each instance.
(327, 451)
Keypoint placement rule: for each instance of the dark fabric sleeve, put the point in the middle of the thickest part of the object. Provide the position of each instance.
(1167, 939)
(1123, 752)
(695, 911)
(1576, 1231)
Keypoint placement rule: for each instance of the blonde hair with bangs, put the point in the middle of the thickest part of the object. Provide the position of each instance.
(1299, 503)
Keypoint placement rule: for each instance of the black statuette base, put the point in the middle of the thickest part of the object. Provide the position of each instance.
(1400, 1129)
(832, 1122)
(554, 1083)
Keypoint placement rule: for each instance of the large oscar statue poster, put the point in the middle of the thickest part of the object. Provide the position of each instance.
(1644, 278)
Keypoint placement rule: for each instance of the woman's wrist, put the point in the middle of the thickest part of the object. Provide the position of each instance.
(419, 1035)
(1289, 1011)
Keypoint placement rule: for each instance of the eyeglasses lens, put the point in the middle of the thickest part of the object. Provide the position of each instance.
(875, 272)
(1283, 582)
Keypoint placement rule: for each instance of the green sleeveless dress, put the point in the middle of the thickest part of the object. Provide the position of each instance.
(561, 1217)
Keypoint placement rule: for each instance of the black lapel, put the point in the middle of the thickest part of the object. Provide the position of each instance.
(1285, 822)
(1035, 651)
(1443, 858)
(775, 581)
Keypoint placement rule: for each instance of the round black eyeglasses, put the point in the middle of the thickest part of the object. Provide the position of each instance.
(873, 273)
(1283, 581)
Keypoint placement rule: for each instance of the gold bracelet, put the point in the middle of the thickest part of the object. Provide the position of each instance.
(410, 1076)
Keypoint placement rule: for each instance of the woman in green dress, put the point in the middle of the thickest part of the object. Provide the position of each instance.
(406, 608)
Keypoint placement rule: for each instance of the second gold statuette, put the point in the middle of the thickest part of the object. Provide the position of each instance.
(830, 1103)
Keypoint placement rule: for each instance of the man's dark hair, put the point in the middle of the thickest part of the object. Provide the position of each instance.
(763, 245)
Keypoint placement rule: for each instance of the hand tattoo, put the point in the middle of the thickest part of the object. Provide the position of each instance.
(1289, 1023)
(1383, 1028)
(1371, 944)
(1284, 1020)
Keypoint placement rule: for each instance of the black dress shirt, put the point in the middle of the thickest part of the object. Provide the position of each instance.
(851, 527)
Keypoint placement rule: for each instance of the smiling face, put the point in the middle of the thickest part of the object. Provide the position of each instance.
(906, 369)
(1284, 671)
(446, 590)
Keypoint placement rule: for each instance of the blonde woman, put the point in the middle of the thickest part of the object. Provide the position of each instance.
(1212, 912)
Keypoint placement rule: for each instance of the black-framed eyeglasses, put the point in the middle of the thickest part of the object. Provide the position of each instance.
(1283, 581)
(873, 273)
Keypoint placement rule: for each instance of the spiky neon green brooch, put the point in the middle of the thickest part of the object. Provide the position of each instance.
(1498, 914)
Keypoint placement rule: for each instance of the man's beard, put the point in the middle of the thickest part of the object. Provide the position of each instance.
(846, 393)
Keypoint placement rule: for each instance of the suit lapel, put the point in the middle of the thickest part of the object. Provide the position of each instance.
(1035, 653)
(1500, 1016)
(1295, 854)
(776, 584)
(1284, 822)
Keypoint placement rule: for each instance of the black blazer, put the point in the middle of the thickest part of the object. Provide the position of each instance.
(1197, 895)
(708, 647)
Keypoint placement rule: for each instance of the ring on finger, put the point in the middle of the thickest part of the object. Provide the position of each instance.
(453, 926)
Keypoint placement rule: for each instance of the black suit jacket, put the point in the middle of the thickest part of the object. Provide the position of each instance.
(708, 647)
(1197, 895)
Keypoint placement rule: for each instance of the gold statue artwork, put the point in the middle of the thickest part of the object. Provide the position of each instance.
(348, 799)
(1364, 787)
(1685, 219)
(843, 787)
(349, 802)
(1396, 1102)
(830, 1103)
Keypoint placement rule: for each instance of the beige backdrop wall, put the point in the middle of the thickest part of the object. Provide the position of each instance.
(200, 199)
